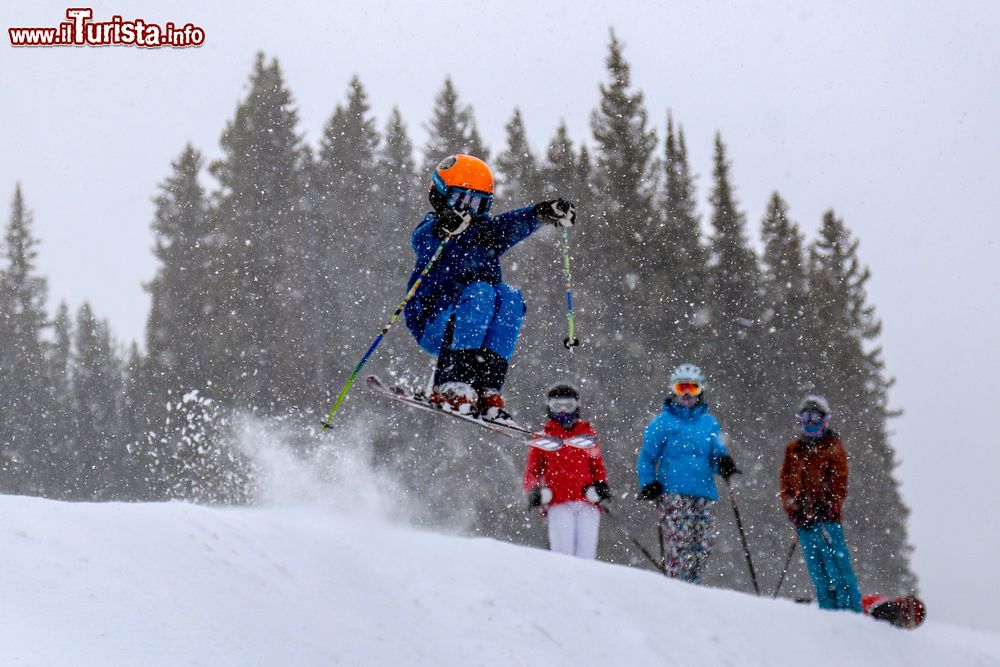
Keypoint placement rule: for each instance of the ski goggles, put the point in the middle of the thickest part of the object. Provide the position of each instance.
(689, 388)
(464, 199)
(811, 417)
(562, 405)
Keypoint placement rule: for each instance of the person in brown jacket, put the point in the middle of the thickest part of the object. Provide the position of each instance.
(813, 489)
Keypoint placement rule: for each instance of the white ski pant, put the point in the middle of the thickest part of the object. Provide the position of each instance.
(573, 528)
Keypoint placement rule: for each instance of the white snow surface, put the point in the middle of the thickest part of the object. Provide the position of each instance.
(180, 584)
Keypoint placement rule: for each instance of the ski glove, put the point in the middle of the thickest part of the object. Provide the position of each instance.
(727, 467)
(597, 492)
(558, 212)
(824, 512)
(651, 491)
(540, 495)
(451, 223)
(803, 520)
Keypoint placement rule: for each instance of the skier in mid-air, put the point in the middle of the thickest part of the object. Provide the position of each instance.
(463, 312)
(681, 450)
(568, 483)
(813, 489)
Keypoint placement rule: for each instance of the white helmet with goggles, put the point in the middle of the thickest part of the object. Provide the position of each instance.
(687, 379)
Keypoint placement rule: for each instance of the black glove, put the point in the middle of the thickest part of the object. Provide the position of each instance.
(727, 467)
(450, 222)
(823, 512)
(540, 495)
(557, 212)
(597, 492)
(803, 520)
(651, 491)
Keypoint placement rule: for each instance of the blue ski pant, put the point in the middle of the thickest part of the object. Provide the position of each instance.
(829, 563)
(486, 317)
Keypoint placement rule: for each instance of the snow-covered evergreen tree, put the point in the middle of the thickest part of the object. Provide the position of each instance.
(518, 175)
(99, 455)
(850, 371)
(26, 403)
(452, 129)
(259, 229)
(181, 291)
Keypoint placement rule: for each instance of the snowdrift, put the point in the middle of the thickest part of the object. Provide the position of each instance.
(177, 584)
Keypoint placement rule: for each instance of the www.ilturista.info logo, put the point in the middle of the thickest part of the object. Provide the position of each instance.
(81, 30)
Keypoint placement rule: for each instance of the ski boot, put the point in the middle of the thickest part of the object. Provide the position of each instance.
(491, 407)
(454, 396)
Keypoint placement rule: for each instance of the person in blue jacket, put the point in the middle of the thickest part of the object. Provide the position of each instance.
(682, 449)
(463, 312)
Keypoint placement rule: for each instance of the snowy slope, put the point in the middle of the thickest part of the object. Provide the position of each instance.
(177, 584)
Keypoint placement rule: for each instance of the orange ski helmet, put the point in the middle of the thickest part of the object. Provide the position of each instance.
(462, 182)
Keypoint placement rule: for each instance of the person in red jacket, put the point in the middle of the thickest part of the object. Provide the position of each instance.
(568, 479)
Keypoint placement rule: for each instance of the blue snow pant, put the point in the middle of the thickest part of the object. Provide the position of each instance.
(486, 317)
(829, 563)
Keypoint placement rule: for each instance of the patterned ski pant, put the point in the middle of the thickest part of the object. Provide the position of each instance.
(688, 524)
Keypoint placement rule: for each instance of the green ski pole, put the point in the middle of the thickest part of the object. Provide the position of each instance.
(328, 422)
(571, 341)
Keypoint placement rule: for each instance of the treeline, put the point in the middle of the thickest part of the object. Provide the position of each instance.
(272, 284)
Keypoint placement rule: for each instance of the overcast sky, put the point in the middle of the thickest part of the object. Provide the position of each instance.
(887, 112)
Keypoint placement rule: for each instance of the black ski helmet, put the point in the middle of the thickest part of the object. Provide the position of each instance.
(563, 391)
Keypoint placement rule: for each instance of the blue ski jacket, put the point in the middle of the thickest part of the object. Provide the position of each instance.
(470, 257)
(681, 450)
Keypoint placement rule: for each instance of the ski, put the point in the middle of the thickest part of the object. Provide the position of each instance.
(418, 401)
(907, 611)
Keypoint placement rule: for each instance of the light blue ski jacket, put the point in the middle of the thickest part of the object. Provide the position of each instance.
(681, 450)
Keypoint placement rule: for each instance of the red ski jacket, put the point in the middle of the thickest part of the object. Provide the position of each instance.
(568, 470)
(814, 478)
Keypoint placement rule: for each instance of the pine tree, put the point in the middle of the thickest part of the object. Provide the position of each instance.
(347, 161)
(142, 405)
(612, 269)
(97, 392)
(403, 201)
(784, 284)
(181, 292)
(624, 175)
(452, 129)
(64, 437)
(518, 174)
(676, 309)
(348, 186)
(560, 169)
(625, 149)
(399, 193)
(851, 373)
(734, 280)
(256, 261)
(567, 173)
(26, 408)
